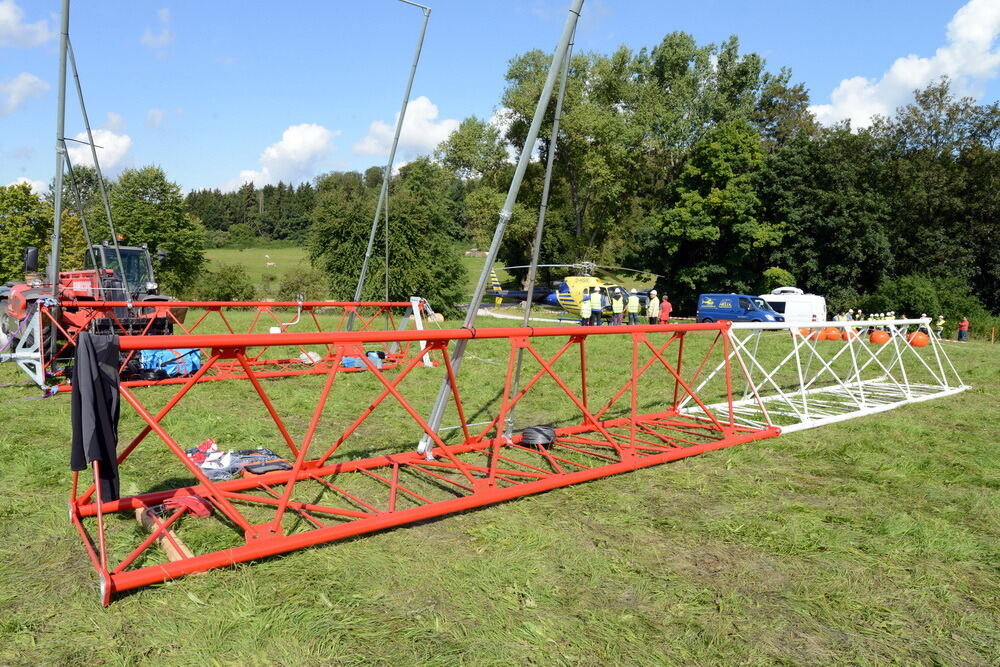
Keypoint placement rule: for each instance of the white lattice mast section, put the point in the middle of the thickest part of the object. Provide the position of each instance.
(798, 379)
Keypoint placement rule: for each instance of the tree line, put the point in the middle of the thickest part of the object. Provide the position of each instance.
(694, 162)
(698, 164)
(280, 212)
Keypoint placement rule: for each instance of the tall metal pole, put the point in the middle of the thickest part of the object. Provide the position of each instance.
(536, 249)
(392, 156)
(100, 176)
(505, 214)
(53, 269)
(80, 207)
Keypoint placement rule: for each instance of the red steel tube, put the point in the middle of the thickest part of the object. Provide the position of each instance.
(485, 496)
(281, 477)
(228, 341)
(166, 305)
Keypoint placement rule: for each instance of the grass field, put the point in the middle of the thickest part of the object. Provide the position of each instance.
(255, 260)
(867, 542)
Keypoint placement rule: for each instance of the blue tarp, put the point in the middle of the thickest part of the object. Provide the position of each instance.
(173, 363)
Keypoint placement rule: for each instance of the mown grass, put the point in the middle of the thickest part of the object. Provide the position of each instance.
(871, 541)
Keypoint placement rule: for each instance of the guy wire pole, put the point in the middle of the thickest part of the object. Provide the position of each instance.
(392, 156)
(100, 176)
(53, 269)
(79, 205)
(555, 67)
(536, 249)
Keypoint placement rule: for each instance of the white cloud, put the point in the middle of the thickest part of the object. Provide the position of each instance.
(968, 58)
(165, 37)
(294, 158)
(15, 92)
(113, 145)
(154, 117)
(421, 132)
(157, 118)
(115, 122)
(14, 32)
(38, 187)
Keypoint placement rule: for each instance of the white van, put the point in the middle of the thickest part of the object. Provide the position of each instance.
(796, 305)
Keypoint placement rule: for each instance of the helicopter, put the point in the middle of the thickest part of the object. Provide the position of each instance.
(569, 292)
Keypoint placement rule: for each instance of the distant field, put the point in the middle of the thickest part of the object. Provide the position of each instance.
(256, 259)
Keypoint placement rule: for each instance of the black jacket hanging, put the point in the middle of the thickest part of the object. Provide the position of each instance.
(95, 408)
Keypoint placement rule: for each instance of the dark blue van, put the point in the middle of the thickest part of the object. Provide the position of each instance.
(736, 308)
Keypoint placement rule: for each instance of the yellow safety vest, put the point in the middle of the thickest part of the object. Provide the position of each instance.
(653, 307)
(633, 303)
(585, 306)
(617, 305)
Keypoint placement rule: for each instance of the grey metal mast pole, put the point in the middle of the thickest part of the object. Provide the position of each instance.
(83, 215)
(505, 214)
(53, 269)
(536, 249)
(100, 176)
(392, 156)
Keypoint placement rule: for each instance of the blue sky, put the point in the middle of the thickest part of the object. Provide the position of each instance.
(221, 91)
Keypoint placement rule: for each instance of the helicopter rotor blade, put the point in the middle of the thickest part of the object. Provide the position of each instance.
(528, 266)
(622, 268)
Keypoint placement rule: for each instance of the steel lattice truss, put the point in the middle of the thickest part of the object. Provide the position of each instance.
(807, 380)
(633, 421)
(267, 361)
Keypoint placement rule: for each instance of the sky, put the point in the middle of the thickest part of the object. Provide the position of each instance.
(224, 91)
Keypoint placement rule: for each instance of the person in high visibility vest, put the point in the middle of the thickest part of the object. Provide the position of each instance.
(617, 307)
(939, 325)
(633, 306)
(665, 309)
(653, 307)
(596, 305)
(585, 308)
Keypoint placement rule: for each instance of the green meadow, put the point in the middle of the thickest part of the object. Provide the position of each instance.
(871, 541)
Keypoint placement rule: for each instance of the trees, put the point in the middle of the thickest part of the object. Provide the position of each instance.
(782, 112)
(824, 190)
(474, 150)
(148, 208)
(26, 220)
(942, 182)
(225, 282)
(712, 237)
(632, 126)
(423, 260)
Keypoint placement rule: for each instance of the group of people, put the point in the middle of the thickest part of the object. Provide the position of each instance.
(595, 302)
(939, 323)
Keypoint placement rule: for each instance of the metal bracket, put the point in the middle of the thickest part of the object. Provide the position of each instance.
(28, 352)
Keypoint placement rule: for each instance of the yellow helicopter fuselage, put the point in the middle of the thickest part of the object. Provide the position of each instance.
(570, 298)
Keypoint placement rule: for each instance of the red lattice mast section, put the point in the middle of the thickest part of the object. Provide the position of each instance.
(324, 498)
(268, 360)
